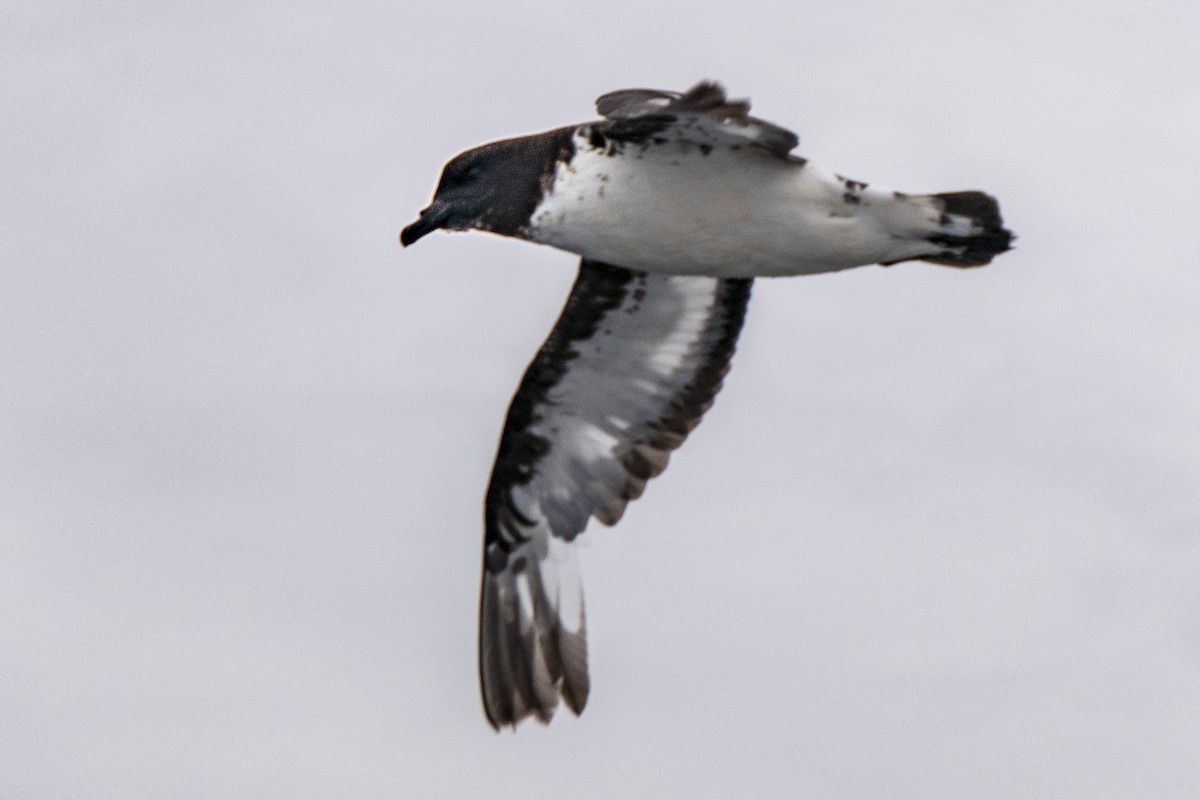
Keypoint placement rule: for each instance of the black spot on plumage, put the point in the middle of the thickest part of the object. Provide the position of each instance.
(638, 130)
(981, 208)
(495, 557)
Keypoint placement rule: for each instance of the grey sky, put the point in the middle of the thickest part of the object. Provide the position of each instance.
(939, 537)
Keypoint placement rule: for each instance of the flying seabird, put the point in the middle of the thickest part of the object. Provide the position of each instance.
(675, 202)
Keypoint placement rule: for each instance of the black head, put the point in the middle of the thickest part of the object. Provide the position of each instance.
(493, 187)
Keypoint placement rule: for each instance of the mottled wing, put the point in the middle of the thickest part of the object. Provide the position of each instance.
(632, 364)
(703, 115)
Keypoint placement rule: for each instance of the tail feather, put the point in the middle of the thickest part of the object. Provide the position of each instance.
(970, 231)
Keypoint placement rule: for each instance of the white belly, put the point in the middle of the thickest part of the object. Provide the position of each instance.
(672, 208)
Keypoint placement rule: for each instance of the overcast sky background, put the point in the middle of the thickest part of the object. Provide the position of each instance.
(939, 537)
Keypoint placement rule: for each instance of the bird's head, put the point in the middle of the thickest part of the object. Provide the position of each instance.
(463, 196)
(470, 192)
(493, 187)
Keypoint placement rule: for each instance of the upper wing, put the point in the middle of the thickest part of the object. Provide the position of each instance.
(632, 364)
(702, 114)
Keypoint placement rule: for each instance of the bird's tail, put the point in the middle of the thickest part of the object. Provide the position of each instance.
(955, 229)
(972, 232)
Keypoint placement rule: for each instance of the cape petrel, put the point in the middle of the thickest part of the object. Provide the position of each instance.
(675, 202)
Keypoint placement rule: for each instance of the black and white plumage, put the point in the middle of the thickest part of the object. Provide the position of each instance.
(632, 364)
(675, 203)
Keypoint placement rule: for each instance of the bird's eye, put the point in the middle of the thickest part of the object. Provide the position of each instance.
(460, 177)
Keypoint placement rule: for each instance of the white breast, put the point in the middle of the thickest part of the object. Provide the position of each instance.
(676, 207)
